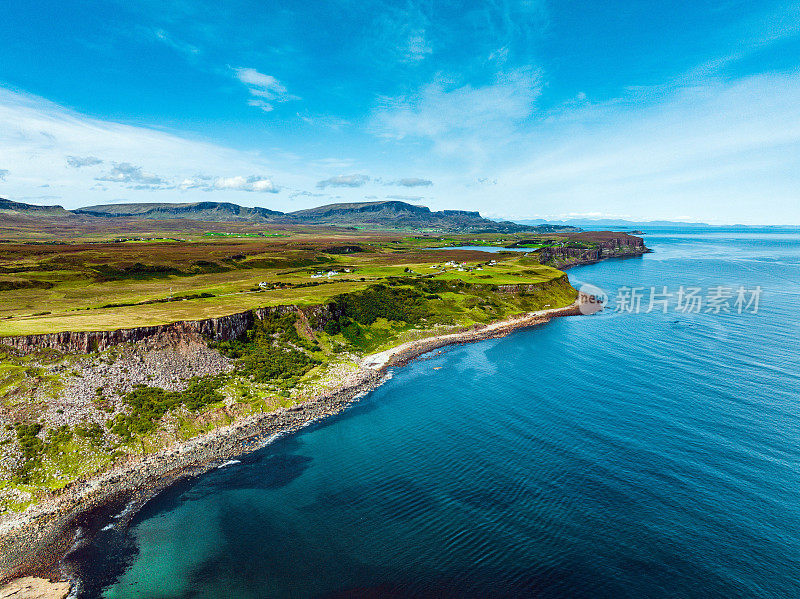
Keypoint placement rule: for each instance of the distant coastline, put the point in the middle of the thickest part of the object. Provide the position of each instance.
(605, 223)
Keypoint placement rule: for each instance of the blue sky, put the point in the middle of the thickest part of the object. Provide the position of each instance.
(519, 109)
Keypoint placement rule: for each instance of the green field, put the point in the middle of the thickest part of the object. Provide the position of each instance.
(96, 286)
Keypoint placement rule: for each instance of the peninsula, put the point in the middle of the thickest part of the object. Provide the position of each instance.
(141, 347)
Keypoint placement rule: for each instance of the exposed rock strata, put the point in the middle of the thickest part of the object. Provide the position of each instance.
(224, 327)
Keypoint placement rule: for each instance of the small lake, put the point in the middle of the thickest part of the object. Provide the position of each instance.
(484, 248)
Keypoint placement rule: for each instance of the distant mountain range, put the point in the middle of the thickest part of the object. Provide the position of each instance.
(9, 207)
(213, 211)
(382, 214)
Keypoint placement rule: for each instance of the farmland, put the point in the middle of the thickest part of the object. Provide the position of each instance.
(48, 287)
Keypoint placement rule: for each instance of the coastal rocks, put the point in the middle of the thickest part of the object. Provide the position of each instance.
(90, 390)
(33, 541)
(34, 588)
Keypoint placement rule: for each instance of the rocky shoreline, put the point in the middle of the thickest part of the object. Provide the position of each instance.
(35, 541)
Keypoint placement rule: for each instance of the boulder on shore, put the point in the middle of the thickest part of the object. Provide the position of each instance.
(34, 588)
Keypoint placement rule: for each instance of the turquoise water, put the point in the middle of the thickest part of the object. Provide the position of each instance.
(614, 455)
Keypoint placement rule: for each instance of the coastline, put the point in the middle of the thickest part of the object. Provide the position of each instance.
(34, 542)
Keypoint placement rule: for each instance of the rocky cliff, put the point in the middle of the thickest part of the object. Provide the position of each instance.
(219, 329)
(222, 328)
(589, 247)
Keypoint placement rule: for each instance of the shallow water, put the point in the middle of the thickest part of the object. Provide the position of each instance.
(616, 455)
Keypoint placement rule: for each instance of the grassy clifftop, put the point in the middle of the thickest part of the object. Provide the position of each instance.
(83, 286)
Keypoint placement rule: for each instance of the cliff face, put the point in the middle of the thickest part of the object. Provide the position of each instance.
(603, 245)
(222, 328)
(219, 329)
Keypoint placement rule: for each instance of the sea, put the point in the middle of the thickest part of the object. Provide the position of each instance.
(650, 450)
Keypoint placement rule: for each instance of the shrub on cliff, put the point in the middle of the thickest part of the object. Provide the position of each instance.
(149, 404)
(271, 350)
(33, 448)
(401, 304)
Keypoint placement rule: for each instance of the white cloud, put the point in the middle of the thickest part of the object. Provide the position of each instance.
(43, 143)
(412, 182)
(405, 198)
(343, 181)
(265, 89)
(264, 85)
(259, 184)
(323, 120)
(236, 183)
(500, 55)
(462, 120)
(258, 103)
(125, 172)
(78, 162)
(3, 174)
(417, 46)
(306, 194)
(188, 49)
(399, 34)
